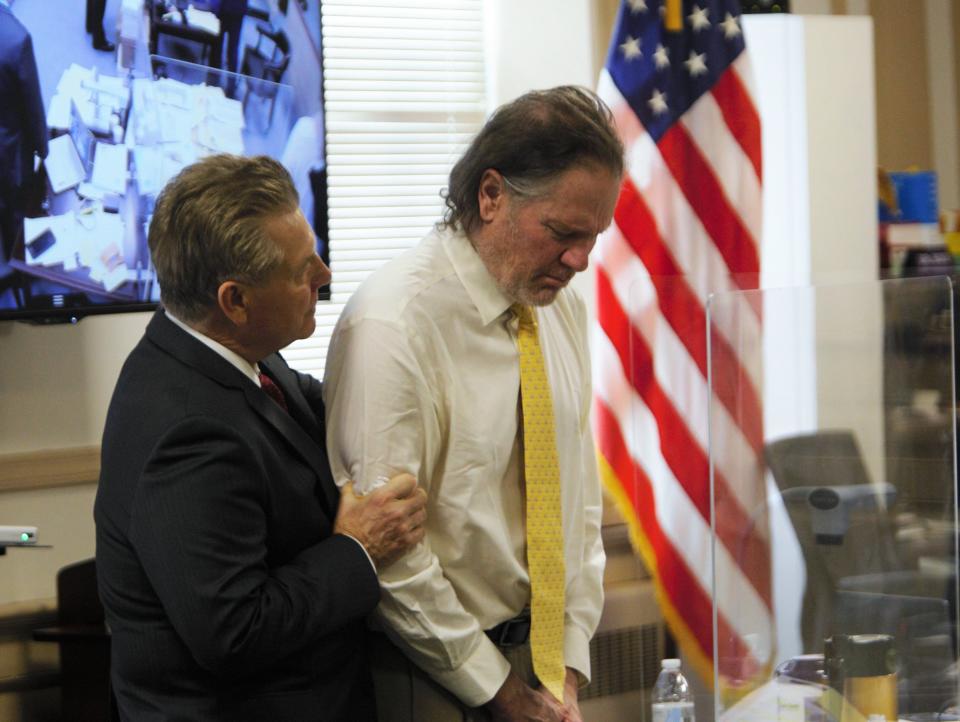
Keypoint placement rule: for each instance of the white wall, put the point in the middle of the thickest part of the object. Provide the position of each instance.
(54, 389)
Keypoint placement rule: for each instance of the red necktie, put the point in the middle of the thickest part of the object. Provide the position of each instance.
(273, 391)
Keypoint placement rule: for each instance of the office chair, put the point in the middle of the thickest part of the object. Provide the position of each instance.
(258, 65)
(86, 694)
(844, 531)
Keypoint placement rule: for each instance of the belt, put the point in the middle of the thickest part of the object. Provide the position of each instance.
(513, 632)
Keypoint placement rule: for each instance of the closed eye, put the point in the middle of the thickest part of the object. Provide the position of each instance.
(561, 234)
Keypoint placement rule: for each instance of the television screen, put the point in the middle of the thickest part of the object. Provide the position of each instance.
(117, 106)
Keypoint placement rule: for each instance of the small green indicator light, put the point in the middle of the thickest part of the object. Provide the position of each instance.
(24, 536)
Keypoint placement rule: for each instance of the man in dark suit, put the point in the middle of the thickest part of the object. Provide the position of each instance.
(23, 125)
(95, 12)
(234, 576)
(231, 14)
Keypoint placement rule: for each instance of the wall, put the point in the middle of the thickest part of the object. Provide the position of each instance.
(917, 81)
(54, 390)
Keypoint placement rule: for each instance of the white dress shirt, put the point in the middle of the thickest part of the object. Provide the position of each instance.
(423, 376)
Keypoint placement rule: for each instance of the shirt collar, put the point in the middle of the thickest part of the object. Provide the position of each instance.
(251, 371)
(473, 274)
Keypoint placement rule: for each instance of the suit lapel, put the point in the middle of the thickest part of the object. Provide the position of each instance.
(286, 379)
(299, 428)
(302, 418)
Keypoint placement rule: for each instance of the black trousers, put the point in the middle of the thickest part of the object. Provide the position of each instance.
(95, 11)
(405, 693)
(11, 219)
(230, 25)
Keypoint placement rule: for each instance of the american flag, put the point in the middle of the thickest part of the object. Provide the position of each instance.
(687, 224)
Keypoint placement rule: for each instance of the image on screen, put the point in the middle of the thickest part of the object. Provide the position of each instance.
(105, 110)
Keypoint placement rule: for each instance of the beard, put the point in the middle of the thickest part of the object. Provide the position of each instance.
(531, 287)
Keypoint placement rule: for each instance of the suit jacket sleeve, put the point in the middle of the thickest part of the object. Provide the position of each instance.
(35, 120)
(199, 526)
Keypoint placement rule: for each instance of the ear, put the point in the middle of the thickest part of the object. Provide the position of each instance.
(234, 300)
(491, 195)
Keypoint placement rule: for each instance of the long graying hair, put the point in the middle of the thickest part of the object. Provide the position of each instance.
(530, 142)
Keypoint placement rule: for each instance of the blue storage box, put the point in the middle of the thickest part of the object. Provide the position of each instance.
(916, 196)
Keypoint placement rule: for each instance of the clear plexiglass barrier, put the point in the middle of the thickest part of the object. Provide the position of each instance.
(833, 504)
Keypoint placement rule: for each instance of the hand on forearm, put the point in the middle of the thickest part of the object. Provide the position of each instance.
(388, 521)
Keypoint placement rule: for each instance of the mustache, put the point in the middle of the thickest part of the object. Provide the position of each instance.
(561, 274)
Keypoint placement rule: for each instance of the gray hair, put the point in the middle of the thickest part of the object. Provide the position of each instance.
(208, 227)
(530, 142)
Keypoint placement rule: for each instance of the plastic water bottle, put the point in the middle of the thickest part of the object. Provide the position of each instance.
(672, 700)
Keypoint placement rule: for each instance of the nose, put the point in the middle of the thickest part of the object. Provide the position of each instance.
(577, 257)
(323, 275)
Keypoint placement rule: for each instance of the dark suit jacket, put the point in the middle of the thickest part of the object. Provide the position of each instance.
(23, 124)
(227, 596)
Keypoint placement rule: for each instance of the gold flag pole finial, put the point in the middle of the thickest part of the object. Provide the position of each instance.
(674, 16)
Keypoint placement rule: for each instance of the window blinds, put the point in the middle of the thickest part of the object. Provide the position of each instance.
(404, 91)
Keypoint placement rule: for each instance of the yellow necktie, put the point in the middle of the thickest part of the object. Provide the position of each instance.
(544, 523)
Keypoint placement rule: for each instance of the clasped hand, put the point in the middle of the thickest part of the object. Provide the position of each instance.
(518, 702)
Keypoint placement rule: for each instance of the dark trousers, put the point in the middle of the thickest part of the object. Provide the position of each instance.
(11, 219)
(95, 11)
(406, 694)
(230, 25)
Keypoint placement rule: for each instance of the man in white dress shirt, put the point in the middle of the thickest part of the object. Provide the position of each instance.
(423, 377)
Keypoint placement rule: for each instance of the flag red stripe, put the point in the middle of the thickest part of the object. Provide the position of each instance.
(698, 183)
(686, 594)
(685, 313)
(741, 117)
(677, 581)
(740, 534)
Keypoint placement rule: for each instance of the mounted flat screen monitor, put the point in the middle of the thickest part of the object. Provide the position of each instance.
(101, 131)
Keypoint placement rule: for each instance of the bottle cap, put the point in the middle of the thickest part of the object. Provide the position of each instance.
(670, 664)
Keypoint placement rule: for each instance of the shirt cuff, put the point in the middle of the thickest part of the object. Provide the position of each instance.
(479, 678)
(369, 558)
(576, 652)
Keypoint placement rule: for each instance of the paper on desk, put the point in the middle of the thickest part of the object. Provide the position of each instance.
(155, 165)
(170, 91)
(64, 169)
(58, 226)
(203, 20)
(110, 167)
(219, 137)
(226, 110)
(97, 231)
(88, 190)
(100, 250)
(58, 114)
(33, 227)
(97, 97)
